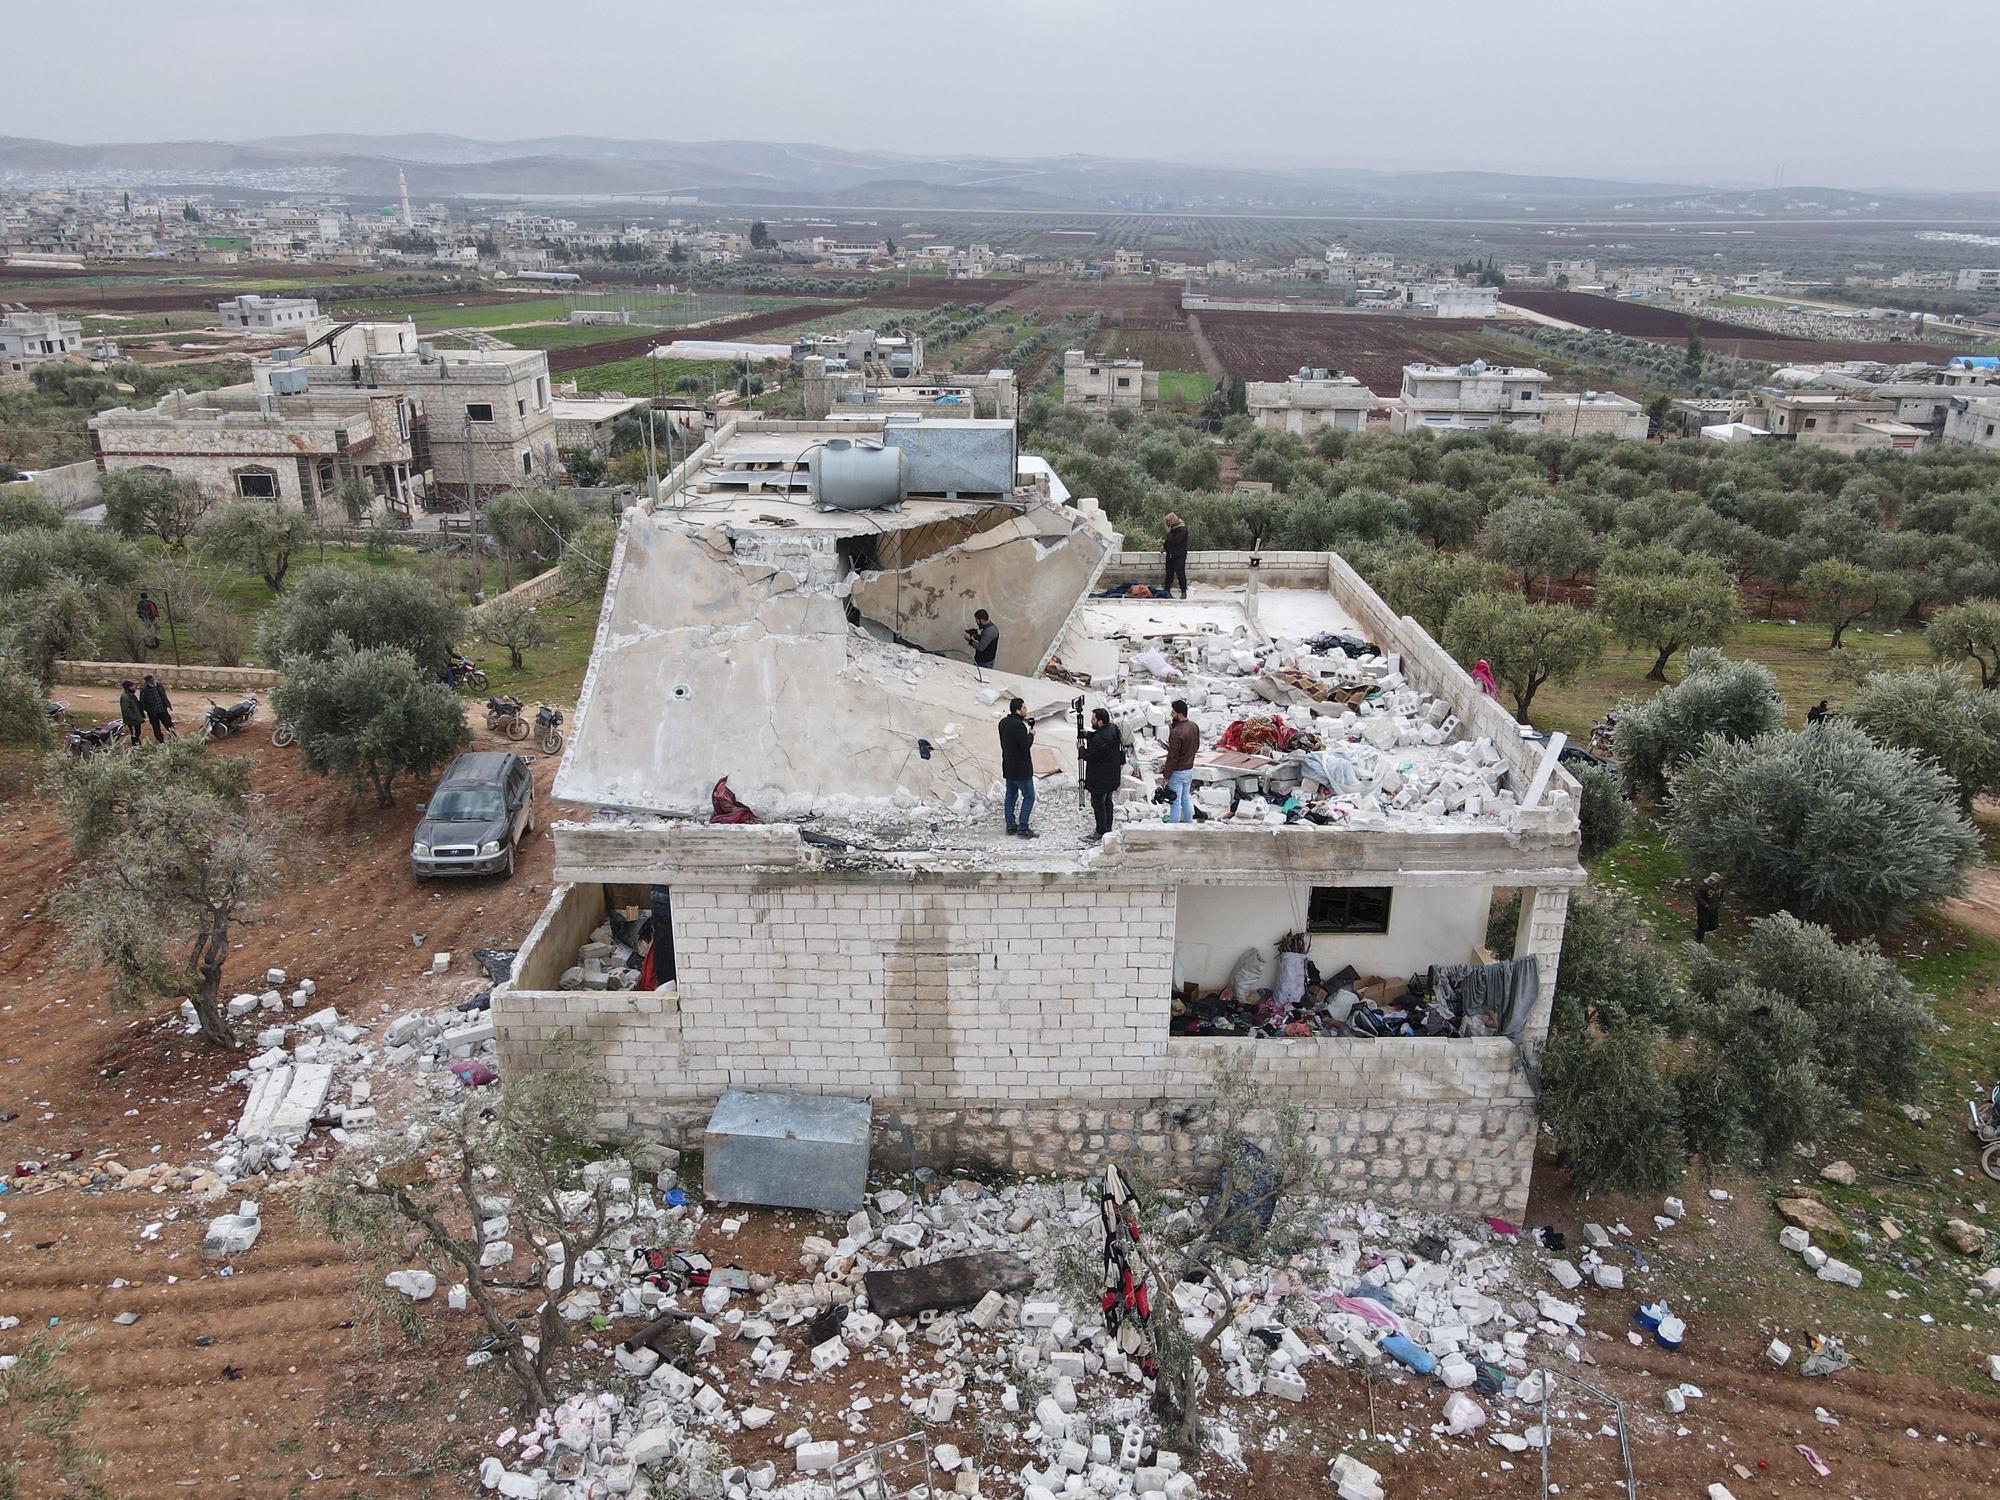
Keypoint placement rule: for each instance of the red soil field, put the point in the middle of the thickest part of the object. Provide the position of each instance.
(1373, 348)
(735, 328)
(1639, 320)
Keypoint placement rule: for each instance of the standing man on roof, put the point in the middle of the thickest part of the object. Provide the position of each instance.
(1183, 741)
(1017, 767)
(983, 636)
(1177, 545)
(1103, 755)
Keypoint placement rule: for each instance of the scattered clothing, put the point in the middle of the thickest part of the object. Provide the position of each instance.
(1482, 677)
(1261, 734)
(724, 808)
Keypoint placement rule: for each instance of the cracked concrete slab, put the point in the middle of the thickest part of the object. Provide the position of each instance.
(708, 666)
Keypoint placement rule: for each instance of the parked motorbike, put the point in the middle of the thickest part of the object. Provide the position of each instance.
(283, 733)
(220, 722)
(503, 716)
(82, 742)
(57, 710)
(1603, 736)
(549, 722)
(460, 672)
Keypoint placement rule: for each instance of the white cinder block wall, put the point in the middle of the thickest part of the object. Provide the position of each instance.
(1018, 1019)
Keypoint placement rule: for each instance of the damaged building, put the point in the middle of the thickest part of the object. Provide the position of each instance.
(794, 775)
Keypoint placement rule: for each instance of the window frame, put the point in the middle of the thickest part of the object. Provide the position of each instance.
(473, 406)
(1353, 910)
(265, 476)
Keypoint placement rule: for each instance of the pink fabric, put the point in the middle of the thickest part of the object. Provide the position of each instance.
(1483, 676)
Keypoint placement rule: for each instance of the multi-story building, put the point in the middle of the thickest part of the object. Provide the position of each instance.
(1447, 299)
(28, 338)
(1973, 421)
(1579, 414)
(251, 313)
(409, 427)
(1107, 382)
(1977, 281)
(1476, 396)
(1038, 1003)
(1306, 402)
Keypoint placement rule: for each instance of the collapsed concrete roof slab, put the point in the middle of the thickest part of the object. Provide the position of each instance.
(709, 665)
(1027, 570)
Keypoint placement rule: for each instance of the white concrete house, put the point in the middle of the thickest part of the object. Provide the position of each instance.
(1475, 396)
(1023, 1002)
(1304, 403)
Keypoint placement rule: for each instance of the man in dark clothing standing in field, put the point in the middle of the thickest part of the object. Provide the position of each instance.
(158, 706)
(983, 636)
(1017, 767)
(130, 711)
(1102, 752)
(1177, 545)
(149, 616)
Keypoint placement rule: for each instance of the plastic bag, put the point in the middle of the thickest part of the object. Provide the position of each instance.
(1246, 976)
(1290, 987)
(1462, 1414)
(1155, 661)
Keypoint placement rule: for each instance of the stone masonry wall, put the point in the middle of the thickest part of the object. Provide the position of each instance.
(1020, 1020)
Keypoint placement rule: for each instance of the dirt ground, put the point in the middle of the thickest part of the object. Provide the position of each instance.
(270, 1377)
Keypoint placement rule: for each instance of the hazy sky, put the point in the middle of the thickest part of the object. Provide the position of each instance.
(1842, 92)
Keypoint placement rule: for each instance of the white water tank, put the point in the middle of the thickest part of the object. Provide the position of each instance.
(850, 475)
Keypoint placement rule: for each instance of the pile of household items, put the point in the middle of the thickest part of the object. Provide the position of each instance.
(1454, 1000)
(1325, 730)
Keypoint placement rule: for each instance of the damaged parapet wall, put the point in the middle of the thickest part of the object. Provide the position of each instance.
(1026, 568)
(1020, 1019)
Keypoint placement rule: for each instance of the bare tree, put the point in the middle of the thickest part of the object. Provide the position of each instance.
(531, 1152)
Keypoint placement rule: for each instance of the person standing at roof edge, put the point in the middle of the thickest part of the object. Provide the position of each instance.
(1103, 754)
(983, 636)
(1177, 545)
(1017, 767)
(1482, 677)
(1183, 740)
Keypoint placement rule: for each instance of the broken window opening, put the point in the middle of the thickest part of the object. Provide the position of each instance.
(1349, 908)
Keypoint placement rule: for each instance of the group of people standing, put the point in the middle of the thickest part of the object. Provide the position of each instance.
(1100, 755)
(146, 703)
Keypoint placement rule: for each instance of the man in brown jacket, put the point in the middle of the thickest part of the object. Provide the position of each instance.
(1183, 740)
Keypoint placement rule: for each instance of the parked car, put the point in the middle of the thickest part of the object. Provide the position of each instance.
(483, 807)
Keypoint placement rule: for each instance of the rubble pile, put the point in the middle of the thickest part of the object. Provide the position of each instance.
(749, 1352)
(1326, 730)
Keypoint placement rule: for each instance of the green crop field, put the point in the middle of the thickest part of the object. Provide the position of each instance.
(473, 315)
(565, 335)
(1189, 387)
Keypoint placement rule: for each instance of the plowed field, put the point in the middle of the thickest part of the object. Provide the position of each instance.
(1373, 348)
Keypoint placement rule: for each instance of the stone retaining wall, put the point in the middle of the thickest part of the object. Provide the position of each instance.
(111, 673)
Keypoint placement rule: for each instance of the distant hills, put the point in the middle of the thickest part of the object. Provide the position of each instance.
(754, 173)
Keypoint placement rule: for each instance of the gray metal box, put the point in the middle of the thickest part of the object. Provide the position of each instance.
(957, 456)
(787, 1151)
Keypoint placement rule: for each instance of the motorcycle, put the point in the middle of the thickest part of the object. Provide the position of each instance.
(460, 672)
(219, 722)
(57, 710)
(82, 742)
(503, 716)
(1603, 736)
(283, 733)
(549, 722)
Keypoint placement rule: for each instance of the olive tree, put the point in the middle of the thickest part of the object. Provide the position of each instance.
(1539, 537)
(431, 1194)
(1939, 713)
(1844, 593)
(1969, 632)
(257, 535)
(586, 561)
(371, 715)
(510, 623)
(169, 856)
(365, 607)
(1526, 645)
(1825, 823)
(153, 503)
(1737, 700)
(1663, 612)
(1612, 1112)
(1424, 584)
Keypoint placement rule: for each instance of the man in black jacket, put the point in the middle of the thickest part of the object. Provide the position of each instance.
(1177, 545)
(159, 708)
(1017, 767)
(983, 636)
(1103, 754)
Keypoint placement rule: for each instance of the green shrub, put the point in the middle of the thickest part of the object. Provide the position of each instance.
(1612, 1109)
(1655, 737)
(1604, 813)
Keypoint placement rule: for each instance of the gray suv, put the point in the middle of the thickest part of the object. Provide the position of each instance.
(483, 807)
